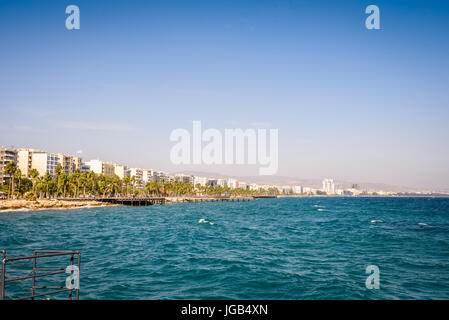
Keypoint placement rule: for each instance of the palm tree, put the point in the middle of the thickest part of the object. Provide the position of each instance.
(18, 175)
(34, 174)
(83, 182)
(133, 182)
(126, 181)
(47, 179)
(58, 172)
(10, 169)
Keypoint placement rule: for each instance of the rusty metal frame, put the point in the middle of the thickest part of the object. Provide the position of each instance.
(35, 275)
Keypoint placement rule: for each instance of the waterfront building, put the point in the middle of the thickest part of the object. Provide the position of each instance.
(6, 156)
(297, 189)
(160, 175)
(232, 183)
(212, 182)
(101, 167)
(244, 186)
(147, 175)
(329, 186)
(202, 181)
(222, 182)
(44, 162)
(67, 163)
(184, 178)
(25, 159)
(121, 171)
(252, 186)
(138, 174)
(78, 164)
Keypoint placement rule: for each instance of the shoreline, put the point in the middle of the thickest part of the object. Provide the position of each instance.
(48, 204)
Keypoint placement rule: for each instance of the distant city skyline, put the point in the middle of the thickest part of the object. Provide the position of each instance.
(349, 103)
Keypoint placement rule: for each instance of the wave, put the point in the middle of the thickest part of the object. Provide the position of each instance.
(205, 221)
(15, 210)
(376, 221)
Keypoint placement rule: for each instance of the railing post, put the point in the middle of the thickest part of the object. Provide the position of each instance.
(2, 284)
(79, 275)
(71, 272)
(33, 281)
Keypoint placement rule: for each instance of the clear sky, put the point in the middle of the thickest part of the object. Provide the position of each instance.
(349, 103)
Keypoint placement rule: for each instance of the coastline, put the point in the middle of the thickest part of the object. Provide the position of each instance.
(45, 204)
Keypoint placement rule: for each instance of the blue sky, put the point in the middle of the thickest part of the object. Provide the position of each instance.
(349, 103)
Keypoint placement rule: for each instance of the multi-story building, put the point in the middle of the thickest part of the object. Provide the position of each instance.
(297, 189)
(244, 185)
(233, 183)
(108, 169)
(199, 180)
(147, 175)
(44, 162)
(25, 159)
(121, 171)
(138, 174)
(6, 156)
(329, 186)
(222, 182)
(212, 182)
(101, 167)
(67, 163)
(160, 175)
(183, 178)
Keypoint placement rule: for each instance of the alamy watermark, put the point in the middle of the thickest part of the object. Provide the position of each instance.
(260, 147)
(73, 280)
(373, 280)
(373, 20)
(73, 20)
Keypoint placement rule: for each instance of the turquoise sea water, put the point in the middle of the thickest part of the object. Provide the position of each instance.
(290, 248)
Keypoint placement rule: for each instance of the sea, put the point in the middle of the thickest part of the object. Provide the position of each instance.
(284, 248)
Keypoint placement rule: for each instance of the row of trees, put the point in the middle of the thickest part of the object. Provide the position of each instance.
(83, 184)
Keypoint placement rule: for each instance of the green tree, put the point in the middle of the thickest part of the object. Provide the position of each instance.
(10, 169)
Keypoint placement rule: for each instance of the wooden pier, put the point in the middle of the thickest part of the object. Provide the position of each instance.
(126, 201)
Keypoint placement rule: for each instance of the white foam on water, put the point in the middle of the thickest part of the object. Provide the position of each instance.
(16, 210)
(422, 224)
(205, 221)
(376, 221)
(322, 210)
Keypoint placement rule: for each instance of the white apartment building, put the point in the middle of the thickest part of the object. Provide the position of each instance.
(202, 181)
(160, 175)
(252, 186)
(101, 167)
(297, 189)
(121, 171)
(222, 182)
(147, 175)
(232, 183)
(329, 186)
(24, 160)
(6, 155)
(244, 185)
(44, 162)
(138, 174)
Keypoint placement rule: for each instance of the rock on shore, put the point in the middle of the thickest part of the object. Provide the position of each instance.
(47, 204)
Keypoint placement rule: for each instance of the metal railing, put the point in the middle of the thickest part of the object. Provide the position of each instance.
(38, 273)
